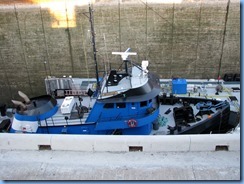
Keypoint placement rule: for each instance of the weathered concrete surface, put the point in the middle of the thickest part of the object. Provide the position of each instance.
(109, 143)
(68, 165)
(188, 38)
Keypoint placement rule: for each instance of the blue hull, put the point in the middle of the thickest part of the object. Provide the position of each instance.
(144, 127)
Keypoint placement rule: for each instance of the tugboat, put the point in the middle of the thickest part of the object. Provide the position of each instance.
(126, 103)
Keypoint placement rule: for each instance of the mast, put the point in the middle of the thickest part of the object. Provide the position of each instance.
(91, 18)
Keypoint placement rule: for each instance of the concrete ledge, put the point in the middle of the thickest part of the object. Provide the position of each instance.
(23, 141)
(71, 142)
(209, 142)
(107, 143)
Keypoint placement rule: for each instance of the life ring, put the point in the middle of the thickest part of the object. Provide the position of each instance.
(132, 123)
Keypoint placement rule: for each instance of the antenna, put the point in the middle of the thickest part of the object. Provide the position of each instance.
(124, 56)
(91, 19)
(106, 64)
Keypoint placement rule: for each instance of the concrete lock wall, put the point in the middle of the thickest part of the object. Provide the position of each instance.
(98, 143)
(183, 38)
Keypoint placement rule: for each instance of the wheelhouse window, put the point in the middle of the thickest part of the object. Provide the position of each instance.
(143, 104)
(120, 105)
(108, 106)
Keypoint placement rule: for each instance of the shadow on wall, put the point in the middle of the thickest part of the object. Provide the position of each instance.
(63, 11)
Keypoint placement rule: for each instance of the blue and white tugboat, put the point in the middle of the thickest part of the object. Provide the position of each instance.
(124, 102)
